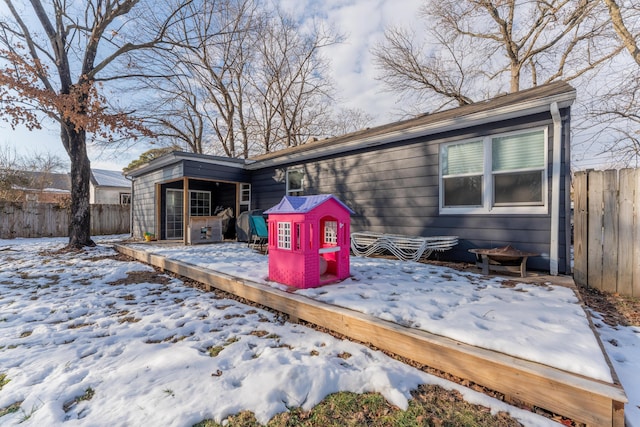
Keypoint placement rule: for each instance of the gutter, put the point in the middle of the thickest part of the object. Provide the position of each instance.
(132, 179)
(555, 189)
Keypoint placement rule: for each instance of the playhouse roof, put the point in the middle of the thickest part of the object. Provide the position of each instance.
(303, 204)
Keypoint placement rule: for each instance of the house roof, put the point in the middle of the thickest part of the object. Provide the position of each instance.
(48, 182)
(518, 104)
(107, 178)
(303, 204)
(509, 106)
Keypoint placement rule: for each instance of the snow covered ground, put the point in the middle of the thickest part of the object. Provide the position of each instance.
(69, 324)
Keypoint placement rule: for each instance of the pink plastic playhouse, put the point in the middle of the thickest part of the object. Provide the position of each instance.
(309, 240)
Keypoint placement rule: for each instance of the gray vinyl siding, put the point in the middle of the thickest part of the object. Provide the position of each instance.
(143, 204)
(267, 187)
(209, 171)
(395, 189)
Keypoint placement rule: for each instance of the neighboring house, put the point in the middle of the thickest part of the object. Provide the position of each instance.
(109, 188)
(493, 173)
(40, 187)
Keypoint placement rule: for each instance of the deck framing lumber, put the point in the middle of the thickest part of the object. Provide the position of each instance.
(589, 401)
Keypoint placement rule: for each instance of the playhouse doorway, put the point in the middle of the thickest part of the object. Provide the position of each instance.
(328, 249)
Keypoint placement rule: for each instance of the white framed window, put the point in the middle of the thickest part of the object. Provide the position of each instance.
(125, 198)
(245, 196)
(200, 203)
(284, 235)
(504, 173)
(295, 182)
(331, 232)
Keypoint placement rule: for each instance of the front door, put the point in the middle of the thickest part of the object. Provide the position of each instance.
(174, 214)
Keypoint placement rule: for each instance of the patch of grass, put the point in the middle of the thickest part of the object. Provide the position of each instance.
(10, 409)
(88, 395)
(216, 349)
(25, 334)
(3, 380)
(26, 415)
(79, 325)
(430, 406)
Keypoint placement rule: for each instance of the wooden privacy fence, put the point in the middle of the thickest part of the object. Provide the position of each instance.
(32, 219)
(607, 230)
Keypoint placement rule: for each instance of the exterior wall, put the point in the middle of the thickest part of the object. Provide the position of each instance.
(195, 169)
(143, 206)
(395, 189)
(107, 195)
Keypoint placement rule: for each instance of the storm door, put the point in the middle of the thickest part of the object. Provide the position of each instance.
(174, 214)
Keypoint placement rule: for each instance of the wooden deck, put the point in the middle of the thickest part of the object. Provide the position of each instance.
(588, 401)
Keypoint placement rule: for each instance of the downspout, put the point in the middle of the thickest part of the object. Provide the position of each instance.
(555, 189)
(131, 207)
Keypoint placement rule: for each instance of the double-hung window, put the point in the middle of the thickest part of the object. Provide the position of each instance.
(463, 174)
(496, 174)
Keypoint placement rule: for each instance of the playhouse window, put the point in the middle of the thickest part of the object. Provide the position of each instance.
(284, 235)
(295, 182)
(331, 232)
(496, 174)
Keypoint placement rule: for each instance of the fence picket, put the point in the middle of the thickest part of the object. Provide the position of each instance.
(610, 230)
(625, 228)
(594, 239)
(580, 228)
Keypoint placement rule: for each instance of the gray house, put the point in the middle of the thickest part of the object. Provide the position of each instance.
(492, 173)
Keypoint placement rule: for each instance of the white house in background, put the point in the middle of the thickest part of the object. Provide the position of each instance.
(109, 188)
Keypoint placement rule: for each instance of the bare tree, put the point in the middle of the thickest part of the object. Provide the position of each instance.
(630, 41)
(617, 110)
(293, 95)
(479, 48)
(347, 120)
(244, 80)
(19, 173)
(55, 55)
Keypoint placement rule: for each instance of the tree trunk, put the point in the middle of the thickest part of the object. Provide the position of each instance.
(80, 221)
